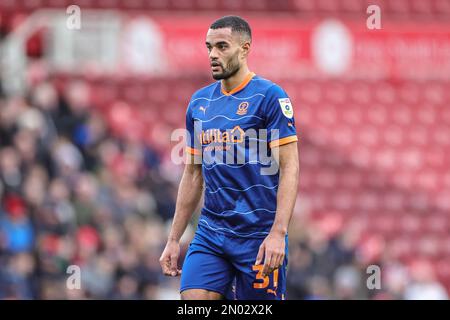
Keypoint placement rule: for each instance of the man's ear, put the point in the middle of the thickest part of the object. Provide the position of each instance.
(245, 49)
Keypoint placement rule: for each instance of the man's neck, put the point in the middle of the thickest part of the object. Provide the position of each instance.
(232, 82)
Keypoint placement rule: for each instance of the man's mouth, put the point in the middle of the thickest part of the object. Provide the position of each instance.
(215, 66)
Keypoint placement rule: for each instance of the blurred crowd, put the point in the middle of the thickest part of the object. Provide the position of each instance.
(72, 193)
(331, 259)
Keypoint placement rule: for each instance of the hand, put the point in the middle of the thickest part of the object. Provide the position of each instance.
(273, 251)
(169, 259)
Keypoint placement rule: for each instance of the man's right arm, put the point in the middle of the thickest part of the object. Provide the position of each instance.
(189, 194)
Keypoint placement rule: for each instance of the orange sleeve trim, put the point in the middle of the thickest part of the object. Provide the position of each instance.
(193, 151)
(240, 86)
(280, 142)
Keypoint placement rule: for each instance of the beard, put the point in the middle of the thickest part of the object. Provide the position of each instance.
(230, 70)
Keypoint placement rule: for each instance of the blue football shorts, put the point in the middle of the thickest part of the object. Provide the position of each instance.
(226, 264)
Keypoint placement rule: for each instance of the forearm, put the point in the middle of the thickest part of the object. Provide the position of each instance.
(286, 196)
(189, 194)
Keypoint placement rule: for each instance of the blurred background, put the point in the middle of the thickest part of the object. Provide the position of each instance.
(90, 95)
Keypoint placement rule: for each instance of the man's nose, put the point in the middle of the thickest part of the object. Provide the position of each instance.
(213, 54)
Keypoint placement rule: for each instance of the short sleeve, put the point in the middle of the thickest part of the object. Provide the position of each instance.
(280, 122)
(192, 146)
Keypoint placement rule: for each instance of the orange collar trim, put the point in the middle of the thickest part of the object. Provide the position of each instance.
(240, 86)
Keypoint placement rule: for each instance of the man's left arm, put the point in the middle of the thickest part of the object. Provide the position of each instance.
(273, 247)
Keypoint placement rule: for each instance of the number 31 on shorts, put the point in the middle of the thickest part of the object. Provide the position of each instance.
(263, 282)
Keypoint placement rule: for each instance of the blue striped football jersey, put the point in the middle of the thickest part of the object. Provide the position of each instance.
(232, 133)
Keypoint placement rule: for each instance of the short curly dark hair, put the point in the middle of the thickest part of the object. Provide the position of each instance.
(236, 23)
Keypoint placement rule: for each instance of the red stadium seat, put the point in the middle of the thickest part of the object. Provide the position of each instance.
(303, 6)
(207, 4)
(422, 7)
(231, 5)
(353, 6)
(157, 4)
(442, 8)
(328, 5)
(182, 4)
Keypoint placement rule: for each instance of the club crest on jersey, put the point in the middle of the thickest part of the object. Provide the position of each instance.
(286, 107)
(242, 108)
